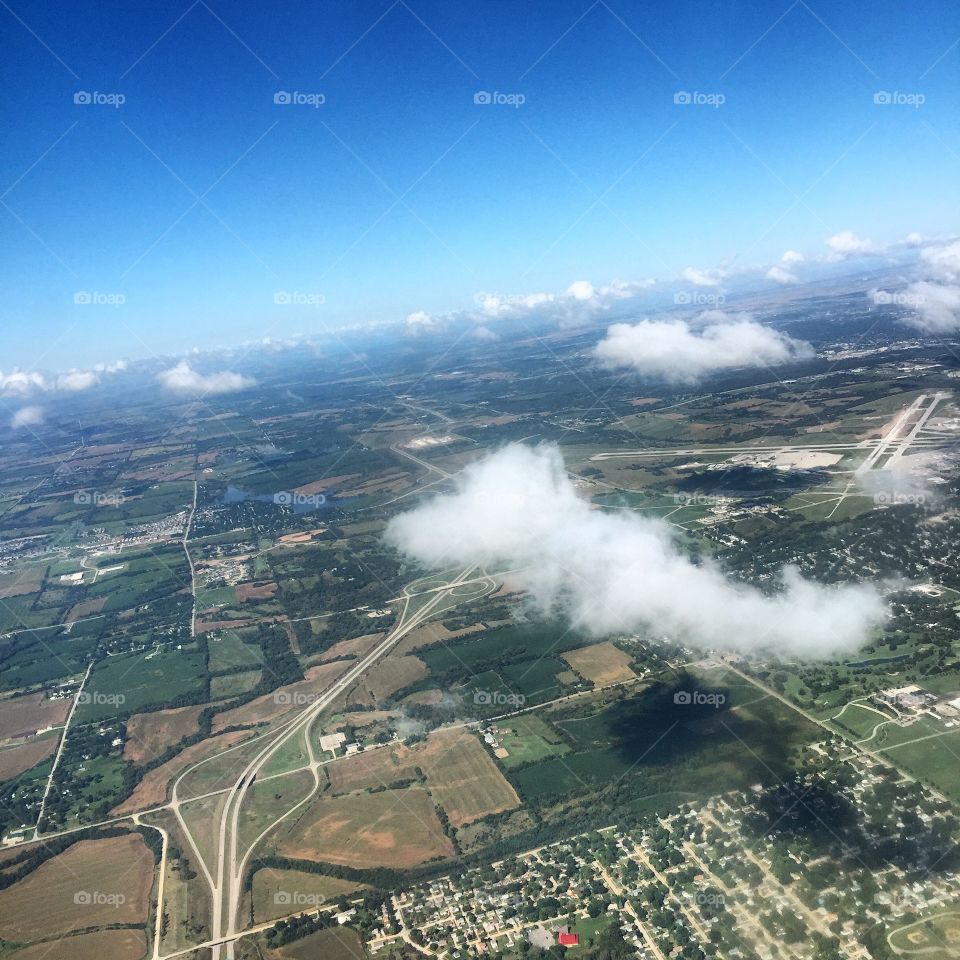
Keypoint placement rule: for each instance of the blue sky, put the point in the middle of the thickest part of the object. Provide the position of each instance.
(200, 198)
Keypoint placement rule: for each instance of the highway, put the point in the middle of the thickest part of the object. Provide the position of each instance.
(226, 881)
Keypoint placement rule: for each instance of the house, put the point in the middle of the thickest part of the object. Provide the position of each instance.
(569, 940)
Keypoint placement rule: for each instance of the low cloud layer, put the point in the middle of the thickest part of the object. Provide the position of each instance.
(935, 299)
(847, 244)
(25, 382)
(703, 278)
(579, 303)
(680, 352)
(184, 379)
(616, 573)
(27, 417)
(77, 380)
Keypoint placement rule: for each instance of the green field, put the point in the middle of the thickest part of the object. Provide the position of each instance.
(935, 937)
(531, 739)
(228, 649)
(131, 682)
(233, 684)
(933, 762)
(523, 641)
(857, 720)
(663, 746)
(536, 680)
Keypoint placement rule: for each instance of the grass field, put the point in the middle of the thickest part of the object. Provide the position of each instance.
(93, 883)
(932, 761)
(667, 747)
(100, 945)
(186, 894)
(600, 663)
(386, 678)
(271, 799)
(20, 716)
(291, 756)
(537, 680)
(392, 828)
(202, 818)
(233, 684)
(149, 735)
(935, 937)
(152, 789)
(284, 700)
(529, 640)
(337, 943)
(372, 768)
(278, 893)
(463, 778)
(228, 650)
(21, 757)
(141, 680)
(857, 719)
(224, 768)
(530, 739)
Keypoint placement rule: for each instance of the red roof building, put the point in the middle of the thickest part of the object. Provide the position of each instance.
(569, 940)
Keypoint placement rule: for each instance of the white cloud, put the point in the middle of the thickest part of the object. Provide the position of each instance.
(580, 302)
(421, 322)
(782, 275)
(847, 244)
(792, 256)
(703, 278)
(117, 366)
(612, 573)
(913, 240)
(937, 306)
(484, 334)
(76, 380)
(676, 351)
(21, 382)
(184, 379)
(943, 262)
(935, 302)
(27, 417)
